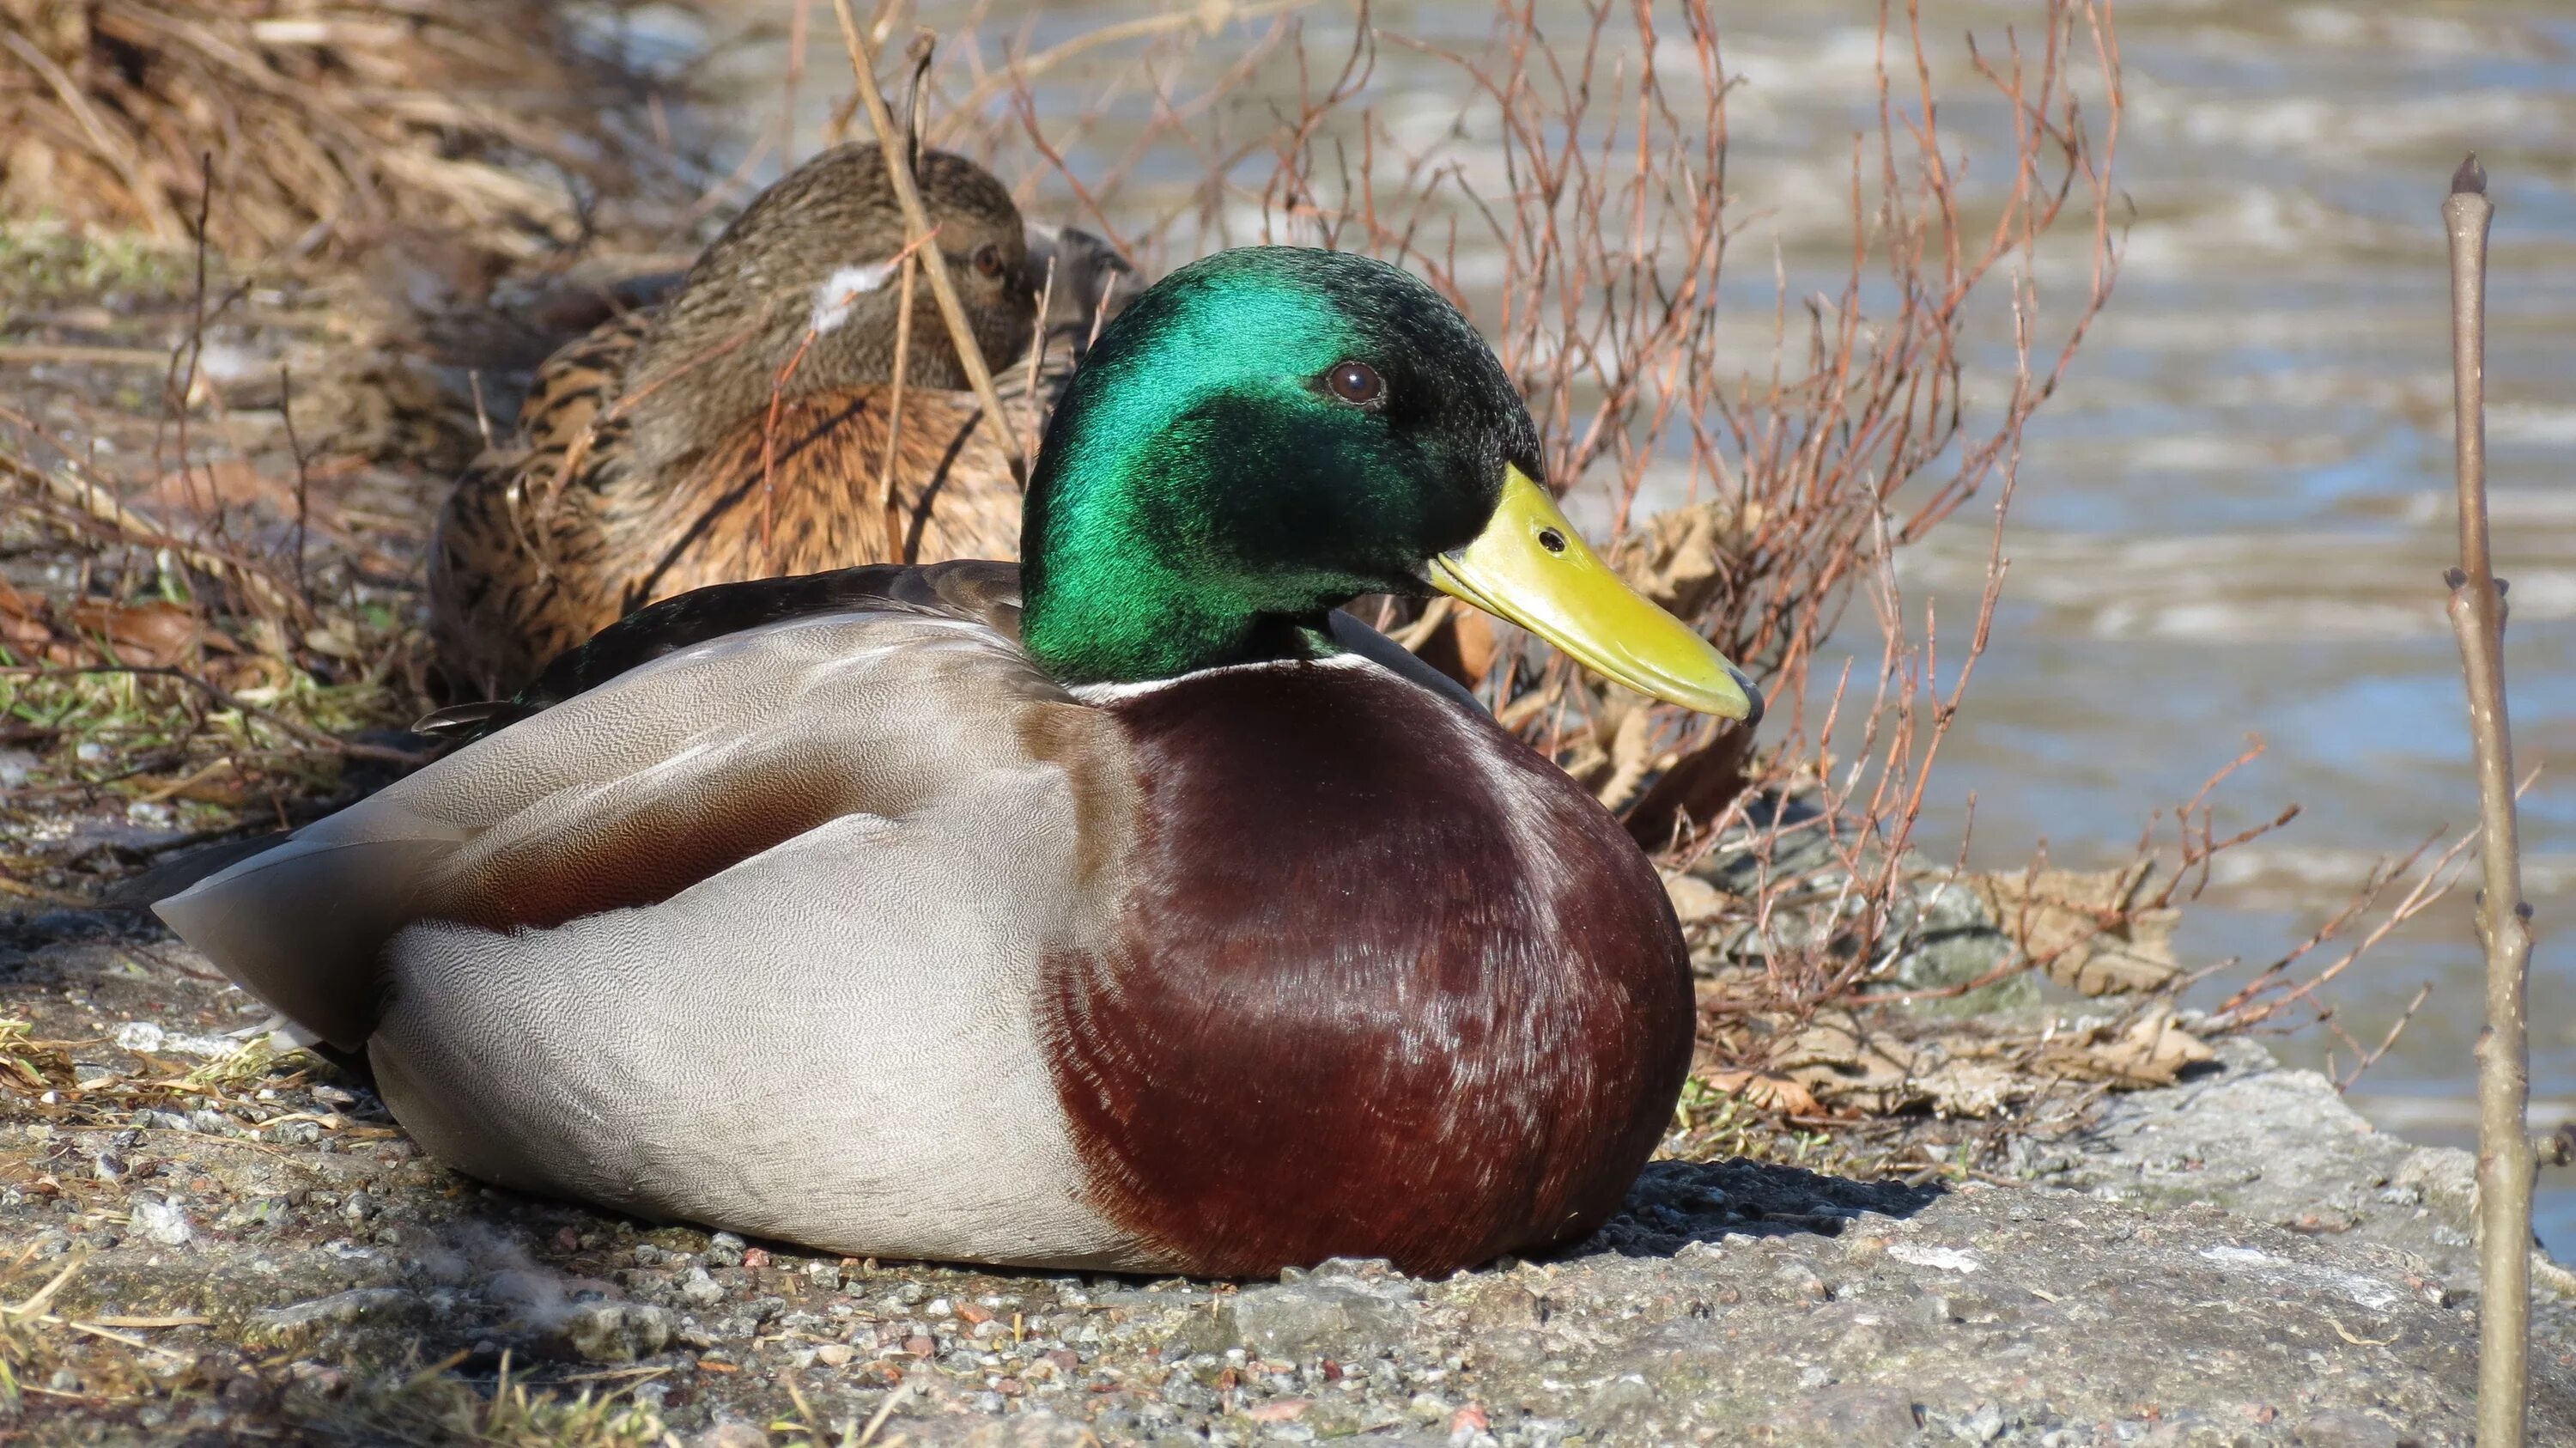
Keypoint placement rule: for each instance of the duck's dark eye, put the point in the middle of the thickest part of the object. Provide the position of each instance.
(988, 259)
(1551, 540)
(1356, 383)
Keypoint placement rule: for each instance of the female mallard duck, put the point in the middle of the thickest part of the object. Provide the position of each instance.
(652, 460)
(1131, 909)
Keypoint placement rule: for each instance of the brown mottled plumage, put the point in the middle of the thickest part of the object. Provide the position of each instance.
(662, 451)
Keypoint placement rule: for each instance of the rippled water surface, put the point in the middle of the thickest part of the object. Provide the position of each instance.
(2234, 518)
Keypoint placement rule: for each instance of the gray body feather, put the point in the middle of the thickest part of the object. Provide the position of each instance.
(829, 1040)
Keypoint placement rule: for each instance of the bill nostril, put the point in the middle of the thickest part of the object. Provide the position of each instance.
(1551, 540)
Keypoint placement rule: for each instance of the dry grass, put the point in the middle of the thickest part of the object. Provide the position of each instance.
(324, 125)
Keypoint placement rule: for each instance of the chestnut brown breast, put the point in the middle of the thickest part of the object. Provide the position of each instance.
(1384, 983)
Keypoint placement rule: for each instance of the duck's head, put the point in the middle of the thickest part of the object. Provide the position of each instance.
(1268, 433)
(809, 266)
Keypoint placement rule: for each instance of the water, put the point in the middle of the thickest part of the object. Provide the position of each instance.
(2234, 517)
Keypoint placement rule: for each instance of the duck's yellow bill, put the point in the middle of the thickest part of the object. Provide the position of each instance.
(1531, 567)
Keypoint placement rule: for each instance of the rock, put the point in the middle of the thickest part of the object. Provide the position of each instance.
(2348, 1428)
(1694, 899)
(299, 1325)
(616, 1332)
(1348, 1309)
(1984, 1424)
(1031, 1430)
(731, 1433)
(148, 1039)
(700, 1290)
(1943, 933)
(2048, 1310)
(724, 1249)
(162, 1221)
(1950, 941)
(1846, 1414)
(2279, 1146)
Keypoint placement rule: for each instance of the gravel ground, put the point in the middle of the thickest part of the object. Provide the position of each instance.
(197, 1248)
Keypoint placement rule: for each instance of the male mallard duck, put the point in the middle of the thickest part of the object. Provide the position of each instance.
(650, 459)
(1131, 909)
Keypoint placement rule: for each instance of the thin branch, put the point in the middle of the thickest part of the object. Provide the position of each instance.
(889, 139)
(2505, 1163)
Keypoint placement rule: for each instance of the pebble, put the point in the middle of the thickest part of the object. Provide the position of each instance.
(617, 1332)
(700, 1290)
(161, 1221)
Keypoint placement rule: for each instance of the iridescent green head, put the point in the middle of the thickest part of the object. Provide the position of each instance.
(1268, 433)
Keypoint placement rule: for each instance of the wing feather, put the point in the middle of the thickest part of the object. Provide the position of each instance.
(626, 794)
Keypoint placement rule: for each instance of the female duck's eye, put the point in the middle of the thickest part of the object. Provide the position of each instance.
(1356, 383)
(988, 259)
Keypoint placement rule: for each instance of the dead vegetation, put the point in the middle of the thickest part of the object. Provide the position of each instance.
(215, 624)
(323, 126)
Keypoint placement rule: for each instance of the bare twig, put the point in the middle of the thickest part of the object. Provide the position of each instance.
(88, 499)
(970, 354)
(894, 408)
(1026, 68)
(903, 260)
(2505, 1163)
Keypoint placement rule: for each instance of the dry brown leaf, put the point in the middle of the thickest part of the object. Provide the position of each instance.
(1695, 790)
(1675, 558)
(210, 487)
(2152, 1050)
(1970, 1088)
(2084, 927)
(1632, 755)
(21, 604)
(1843, 1063)
(1461, 645)
(150, 635)
(1765, 1090)
(147, 635)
